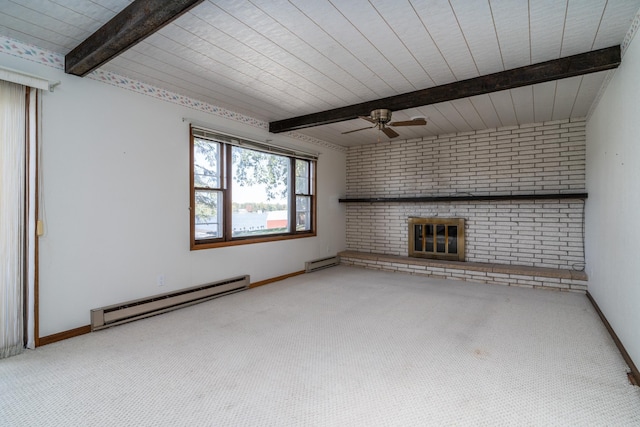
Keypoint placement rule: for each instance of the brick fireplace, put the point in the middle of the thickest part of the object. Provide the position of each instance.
(534, 159)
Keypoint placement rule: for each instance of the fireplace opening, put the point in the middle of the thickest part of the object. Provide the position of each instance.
(436, 238)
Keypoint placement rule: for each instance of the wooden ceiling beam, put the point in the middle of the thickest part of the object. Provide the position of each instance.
(562, 68)
(133, 24)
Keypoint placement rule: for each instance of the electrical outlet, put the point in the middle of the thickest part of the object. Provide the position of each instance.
(160, 279)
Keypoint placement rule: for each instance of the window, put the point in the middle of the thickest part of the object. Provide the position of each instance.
(303, 195)
(245, 192)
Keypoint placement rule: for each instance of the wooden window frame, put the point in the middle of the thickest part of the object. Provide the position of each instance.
(227, 238)
(309, 194)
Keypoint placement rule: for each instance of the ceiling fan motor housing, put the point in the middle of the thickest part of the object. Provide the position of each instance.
(381, 119)
(381, 116)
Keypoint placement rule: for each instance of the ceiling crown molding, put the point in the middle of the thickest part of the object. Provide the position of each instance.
(32, 53)
(633, 29)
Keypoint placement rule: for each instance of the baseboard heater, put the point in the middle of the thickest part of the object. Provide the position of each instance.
(319, 264)
(144, 307)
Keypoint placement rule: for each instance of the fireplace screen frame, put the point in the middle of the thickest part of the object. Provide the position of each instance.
(445, 225)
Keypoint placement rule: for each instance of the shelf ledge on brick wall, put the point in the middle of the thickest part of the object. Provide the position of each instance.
(466, 198)
(506, 274)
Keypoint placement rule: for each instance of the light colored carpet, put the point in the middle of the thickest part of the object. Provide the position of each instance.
(340, 347)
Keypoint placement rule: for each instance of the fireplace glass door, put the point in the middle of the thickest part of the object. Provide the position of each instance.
(439, 238)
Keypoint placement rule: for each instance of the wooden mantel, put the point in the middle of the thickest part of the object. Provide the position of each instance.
(465, 198)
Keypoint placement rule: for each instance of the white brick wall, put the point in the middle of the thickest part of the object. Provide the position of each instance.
(535, 158)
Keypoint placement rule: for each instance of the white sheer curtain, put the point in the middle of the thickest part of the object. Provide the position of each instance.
(17, 216)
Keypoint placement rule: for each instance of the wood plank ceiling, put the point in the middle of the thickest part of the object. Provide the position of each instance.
(277, 59)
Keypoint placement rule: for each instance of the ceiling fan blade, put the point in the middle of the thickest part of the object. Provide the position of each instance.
(414, 122)
(369, 119)
(357, 130)
(390, 132)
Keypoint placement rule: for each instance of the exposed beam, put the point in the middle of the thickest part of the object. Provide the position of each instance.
(133, 24)
(570, 66)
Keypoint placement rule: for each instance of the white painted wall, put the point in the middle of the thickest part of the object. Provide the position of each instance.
(613, 207)
(116, 190)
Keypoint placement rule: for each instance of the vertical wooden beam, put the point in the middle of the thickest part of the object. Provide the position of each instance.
(133, 24)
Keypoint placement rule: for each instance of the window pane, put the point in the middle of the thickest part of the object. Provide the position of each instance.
(303, 213)
(440, 238)
(208, 224)
(206, 164)
(260, 193)
(417, 238)
(453, 239)
(302, 177)
(429, 235)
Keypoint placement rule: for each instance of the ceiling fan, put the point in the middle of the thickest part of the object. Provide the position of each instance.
(381, 118)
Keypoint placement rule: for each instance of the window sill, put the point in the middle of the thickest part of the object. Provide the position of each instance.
(250, 241)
